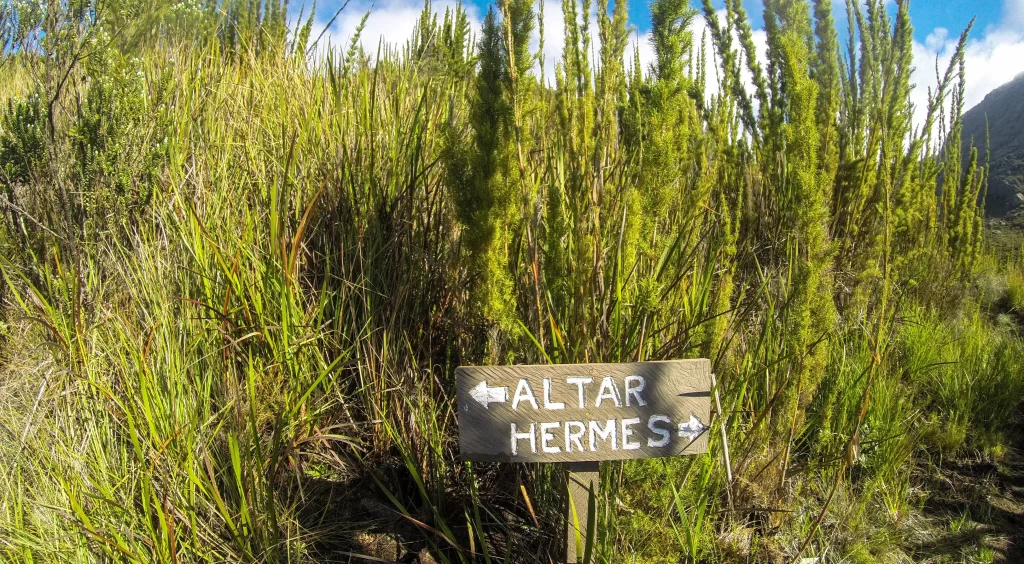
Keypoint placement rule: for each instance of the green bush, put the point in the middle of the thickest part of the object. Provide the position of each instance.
(1015, 290)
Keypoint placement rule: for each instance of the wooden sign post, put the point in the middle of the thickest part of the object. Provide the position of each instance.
(583, 414)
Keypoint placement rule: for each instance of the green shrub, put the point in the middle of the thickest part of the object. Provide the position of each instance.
(967, 374)
(1015, 290)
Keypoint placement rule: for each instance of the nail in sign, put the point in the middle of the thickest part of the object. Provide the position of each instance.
(584, 412)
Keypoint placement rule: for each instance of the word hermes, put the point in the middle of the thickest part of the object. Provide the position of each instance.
(583, 412)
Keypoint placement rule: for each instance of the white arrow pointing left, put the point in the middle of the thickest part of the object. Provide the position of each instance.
(487, 395)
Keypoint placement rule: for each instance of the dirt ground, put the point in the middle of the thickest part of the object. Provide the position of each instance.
(982, 504)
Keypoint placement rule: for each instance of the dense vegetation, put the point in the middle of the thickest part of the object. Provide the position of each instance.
(239, 271)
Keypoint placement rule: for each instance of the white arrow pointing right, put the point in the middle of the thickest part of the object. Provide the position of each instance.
(691, 429)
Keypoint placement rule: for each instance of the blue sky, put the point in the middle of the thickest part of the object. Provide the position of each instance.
(926, 15)
(995, 52)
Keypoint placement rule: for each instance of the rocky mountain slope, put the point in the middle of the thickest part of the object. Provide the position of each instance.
(1004, 108)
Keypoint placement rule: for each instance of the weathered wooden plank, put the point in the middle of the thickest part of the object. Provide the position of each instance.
(583, 482)
(584, 412)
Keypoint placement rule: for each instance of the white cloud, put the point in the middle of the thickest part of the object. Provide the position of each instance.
(993, 57)
(390, 21)
(700, 34)
(640, 42)
(554, 38)
(393, 21)
(1013, 15)
(712, 61)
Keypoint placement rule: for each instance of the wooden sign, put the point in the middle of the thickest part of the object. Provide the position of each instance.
(584, 412)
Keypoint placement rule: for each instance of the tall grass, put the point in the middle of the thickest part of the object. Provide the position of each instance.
(238, 279)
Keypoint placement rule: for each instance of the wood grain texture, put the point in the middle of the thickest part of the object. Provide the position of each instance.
(645, 401)
(583, 482)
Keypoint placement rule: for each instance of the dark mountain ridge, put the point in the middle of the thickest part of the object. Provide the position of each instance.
(1004, 108)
